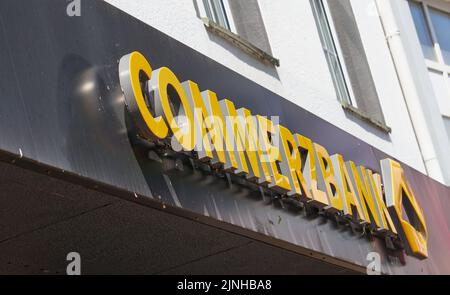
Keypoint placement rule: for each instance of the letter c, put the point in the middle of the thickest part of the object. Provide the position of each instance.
(131, 66)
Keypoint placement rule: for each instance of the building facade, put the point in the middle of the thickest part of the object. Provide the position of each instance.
(361, 88)
(99, 104)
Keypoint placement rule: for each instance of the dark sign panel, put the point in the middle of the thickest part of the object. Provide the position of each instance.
(63, 105)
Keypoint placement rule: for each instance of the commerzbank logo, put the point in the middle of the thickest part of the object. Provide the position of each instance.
(187, 120)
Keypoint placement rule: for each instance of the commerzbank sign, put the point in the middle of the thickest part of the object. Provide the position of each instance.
(258, 149)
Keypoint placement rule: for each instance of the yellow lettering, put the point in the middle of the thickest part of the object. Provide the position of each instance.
(351, 205)
(291, 166)
(399, 195)
(272, 155)
(327, 181)
(130, 68)
(306, 148)
(166, 86)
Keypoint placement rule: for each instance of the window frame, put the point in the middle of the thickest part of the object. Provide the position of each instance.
(231, 34)
(438, 65)
(226, 12)
(340, 57)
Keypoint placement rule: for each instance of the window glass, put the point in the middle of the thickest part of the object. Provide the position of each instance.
(441, 26)
(422, 30)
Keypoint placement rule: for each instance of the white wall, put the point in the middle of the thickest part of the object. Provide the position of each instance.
(426, 116)
(303, 76)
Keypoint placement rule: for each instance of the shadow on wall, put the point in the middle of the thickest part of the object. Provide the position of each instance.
(369, 127)
(88, 116)
(243, 56)
(239, 53)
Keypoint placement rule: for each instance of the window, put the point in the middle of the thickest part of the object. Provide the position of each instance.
(240, 22)
(347, 60)
(331, 53)
(433, 27)
(441, 26)
(423, 31)
(216, 11)
(433, 30)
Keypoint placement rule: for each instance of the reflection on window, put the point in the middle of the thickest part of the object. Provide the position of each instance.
(441, 25)
(422, 30)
